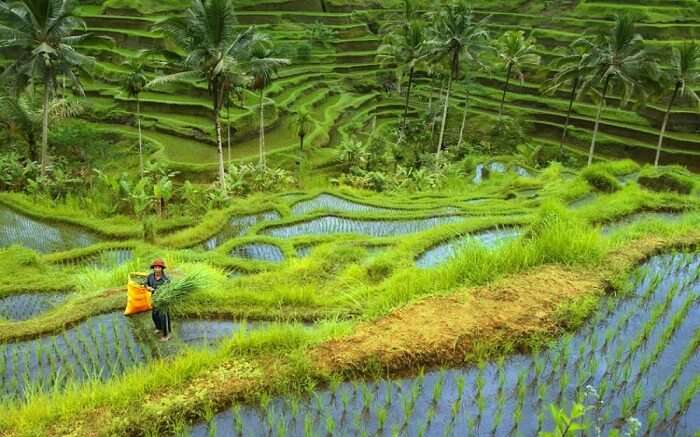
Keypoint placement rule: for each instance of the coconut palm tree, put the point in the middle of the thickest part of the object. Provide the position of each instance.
(457, 37)
(570, 71)
(617, 59)
(404, 50)
(263, 66)
(38, 36)
(215, 52)
(302, 122)
(133, 84)
(684, 75)
(516, 53)
(22, 116)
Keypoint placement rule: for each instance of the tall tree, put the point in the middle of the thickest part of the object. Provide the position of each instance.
(683, 75)
(302, 123)
(215, 52)
(516, 53)
(617, 59)
(134, 83)
(39, 35)
(263, 66)
(459, 38)
(403, 49)
(569, 71)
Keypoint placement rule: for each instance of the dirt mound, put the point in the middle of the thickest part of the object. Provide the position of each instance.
(442, 330)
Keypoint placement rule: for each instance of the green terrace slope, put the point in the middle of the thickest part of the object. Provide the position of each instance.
(180, 120)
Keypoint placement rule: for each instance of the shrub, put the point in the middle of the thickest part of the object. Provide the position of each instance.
(600, 179)
(490, 135)
(321, 34)
(243, 179)
(304, 51)
(667, 179)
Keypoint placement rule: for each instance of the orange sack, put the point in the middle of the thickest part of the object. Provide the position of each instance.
(138, 297)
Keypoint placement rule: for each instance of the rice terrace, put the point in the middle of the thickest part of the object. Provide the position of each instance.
(349, 218)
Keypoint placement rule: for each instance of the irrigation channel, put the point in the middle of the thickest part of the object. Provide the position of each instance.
(43, 237)
(637, 357)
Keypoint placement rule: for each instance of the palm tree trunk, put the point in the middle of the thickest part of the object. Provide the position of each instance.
(45, 129)
(228, 130)
(597, 120)
(217, 122)
(572, 97)
(444, 115)
(464, 121)
(408, 99)
(432, 123)
(663, 126)
(301, 143)
(505, 89)
(138, 122)
(262, 129)
(430, 100)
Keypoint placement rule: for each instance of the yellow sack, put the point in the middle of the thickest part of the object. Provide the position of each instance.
(138, 297)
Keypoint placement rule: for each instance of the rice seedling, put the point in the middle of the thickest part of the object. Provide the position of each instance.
(330, 424)
(437, 389)
(308, 425)
(381, 417)
(689, 393)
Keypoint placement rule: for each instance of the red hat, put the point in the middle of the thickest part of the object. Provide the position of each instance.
(158, 263)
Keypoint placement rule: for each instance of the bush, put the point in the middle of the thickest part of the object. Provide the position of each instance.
(80, 141)
(600, 179)
(667, 179)
(303, 52)
(245, 179)
(493, 135)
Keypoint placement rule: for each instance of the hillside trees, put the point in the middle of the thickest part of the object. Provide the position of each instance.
(39, 38)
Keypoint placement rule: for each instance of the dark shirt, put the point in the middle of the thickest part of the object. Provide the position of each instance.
(154, 283)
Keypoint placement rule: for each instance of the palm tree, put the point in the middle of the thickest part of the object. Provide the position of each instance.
(263, 66)
(517, 53)
(134, 83)
(467, 82)
(459, 38)
(570, 71)
(684, 75)
(403, 49)
(617, 58)
(22, 116)
(38, 35)
(302, 121)
(215, 53)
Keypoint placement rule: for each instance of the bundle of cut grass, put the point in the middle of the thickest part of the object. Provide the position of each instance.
(174, 291)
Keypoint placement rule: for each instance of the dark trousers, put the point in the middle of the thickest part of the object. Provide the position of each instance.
(162, 321)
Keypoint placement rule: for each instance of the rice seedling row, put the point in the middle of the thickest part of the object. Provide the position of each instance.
(25, 306)
(100, 348)
(444, 251)
(18, 229)
(328, 224)
(259, 251)
(238, 226)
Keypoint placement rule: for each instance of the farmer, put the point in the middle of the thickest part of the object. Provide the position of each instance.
(160, 318)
